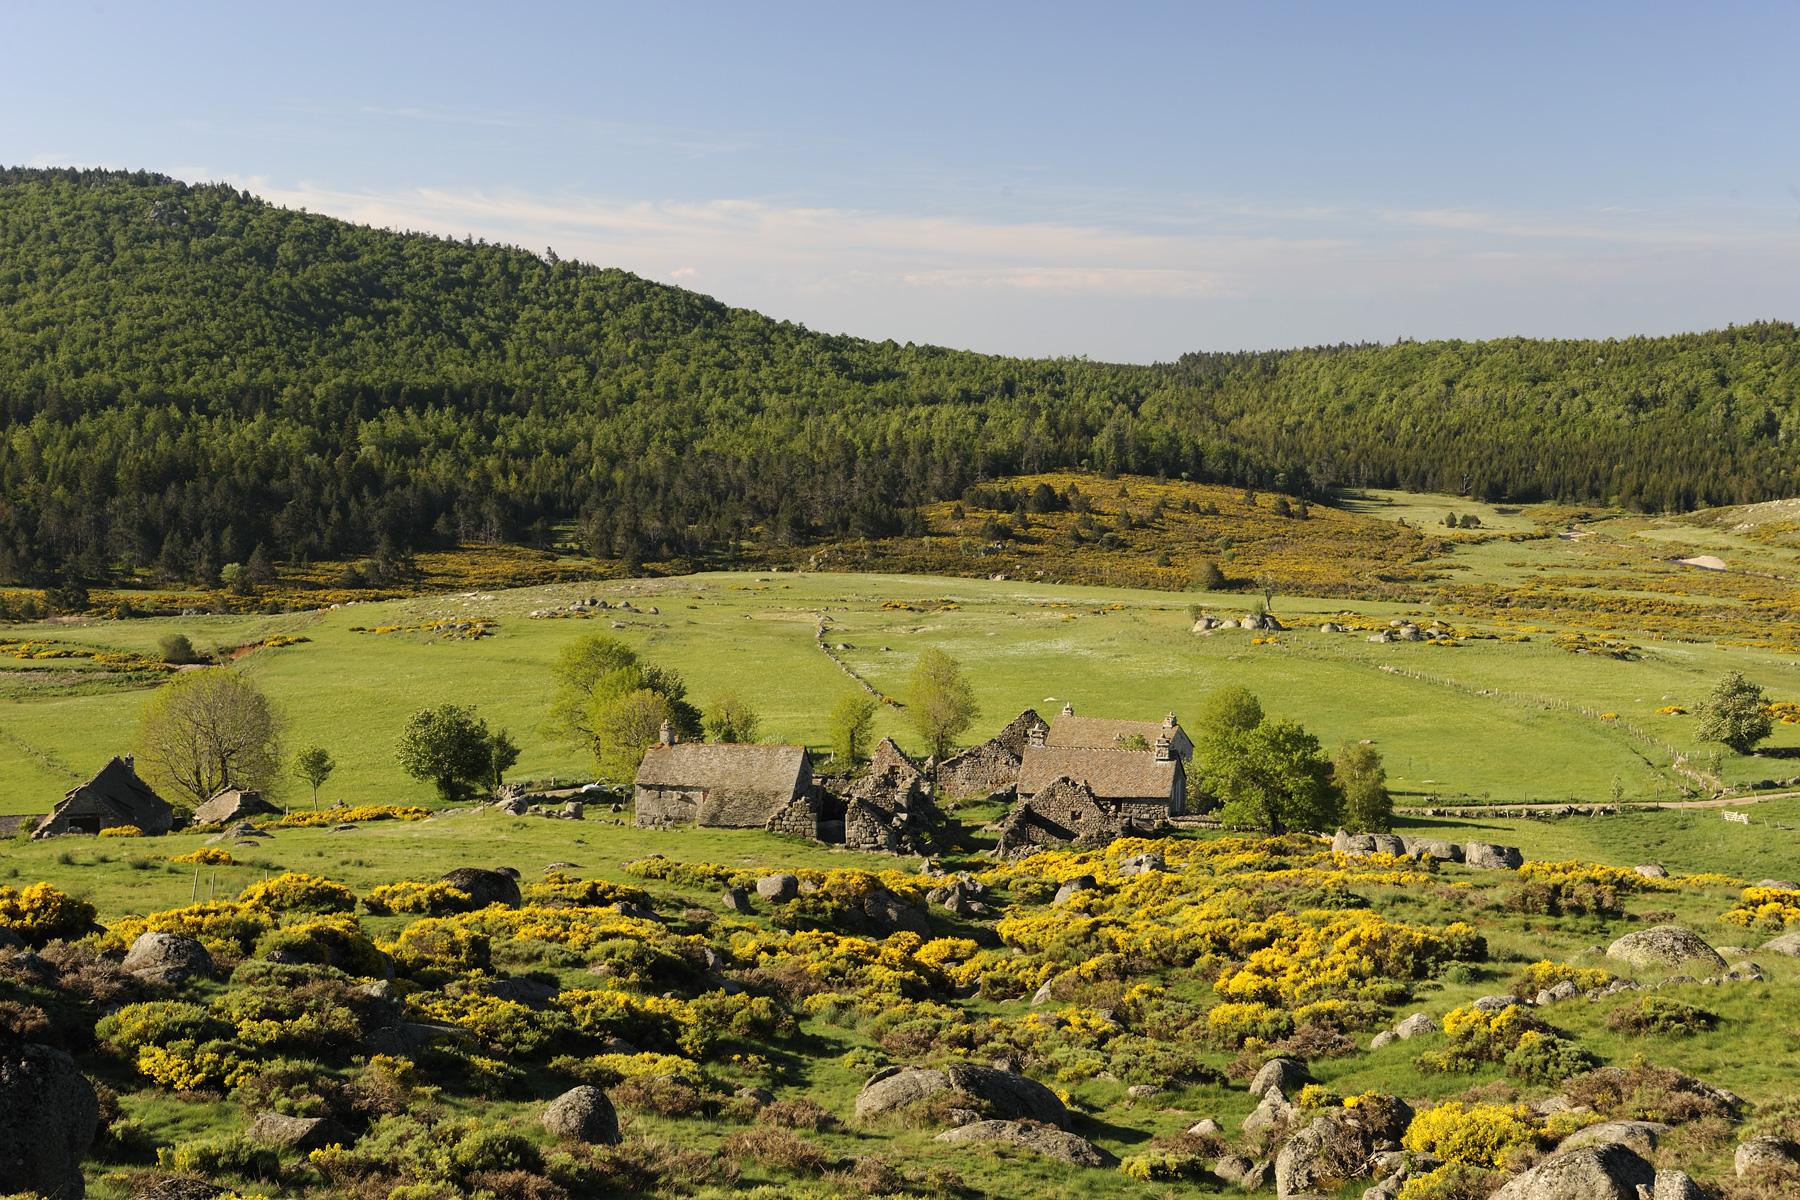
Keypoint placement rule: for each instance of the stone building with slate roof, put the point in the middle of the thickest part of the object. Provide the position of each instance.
(1069, 730)
(114, 797)
(719, 784)
(1146, 786)
(233, 804)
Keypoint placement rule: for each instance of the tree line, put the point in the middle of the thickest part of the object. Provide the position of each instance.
(191, 378)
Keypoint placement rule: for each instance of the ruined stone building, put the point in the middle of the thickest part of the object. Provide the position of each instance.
(233, 804)
(719, 784)
(991, 767)
(113, 797)
(1063, 813)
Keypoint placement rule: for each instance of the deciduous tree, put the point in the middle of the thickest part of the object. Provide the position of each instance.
(1362, 780)
(314, 766)
(1736, 714)
(941, 702)
(852, 719)
(448, 747)
(731, 719)
(206, 730)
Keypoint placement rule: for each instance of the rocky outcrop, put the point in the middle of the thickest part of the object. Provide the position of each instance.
(48, 1117)
(1488, 856)
(485, 887)
(778, 889)
(1675, 1185)
(1787, 943)
(966, 1093)
(1641, 1136)
(1282, 1076)
(167, 958)
(1046, 1140)
(1665, 946)
(1414, 1026)
(582, 1114)
(1591, 1173)
(888, 913)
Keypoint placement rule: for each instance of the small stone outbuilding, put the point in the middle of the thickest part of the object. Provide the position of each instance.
(725, 785)
(114, 797)
(233, 804)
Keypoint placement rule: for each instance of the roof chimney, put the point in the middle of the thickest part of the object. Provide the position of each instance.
(1164, 751)
(1069, 709)
(1169, 721)
(1035, 735)
(666, 735)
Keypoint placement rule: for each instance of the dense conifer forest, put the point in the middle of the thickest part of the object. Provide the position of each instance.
(188, 374)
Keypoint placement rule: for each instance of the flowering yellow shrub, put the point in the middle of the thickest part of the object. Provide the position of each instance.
(332, 939)
(205, 856)
(505, 1024)
(605, 1070)
(1235, 1023)
(298, 890)
(1764, 908)
(1573, 871)
(184, 1067)
(439, 944)
(412, 896)
(218, 925)
(353, 816)
(558, 888)
(121, 831)
(1479, 1135)
(38, 913)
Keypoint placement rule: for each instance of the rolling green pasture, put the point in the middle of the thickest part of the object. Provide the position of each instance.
(1486, 720)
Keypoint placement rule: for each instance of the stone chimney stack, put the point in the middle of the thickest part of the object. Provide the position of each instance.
(1035, 735)
(1169, 721)
(1164, 749)
(666, 734)
(1069, 709)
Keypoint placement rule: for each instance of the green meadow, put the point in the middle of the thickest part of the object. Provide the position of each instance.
(1485, 720)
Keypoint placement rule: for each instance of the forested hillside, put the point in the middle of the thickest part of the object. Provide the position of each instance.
(187, 373)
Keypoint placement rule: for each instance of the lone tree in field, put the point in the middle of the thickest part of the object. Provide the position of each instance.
(1360, 777)
(448, 747)
(730, 719)
(611, 703)
(1267, 774)
(942, 704)
(503, 752)
(1735, 715)
(1208, 577)
(177, 650)
(852, 720)
(207, 730)
(313, 766)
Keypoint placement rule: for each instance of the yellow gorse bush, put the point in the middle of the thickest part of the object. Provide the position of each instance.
(121, 831)
(357, 815)
(39, 912)
(1764, 908)
(298, 890)
(205, 856)
(1545, 974)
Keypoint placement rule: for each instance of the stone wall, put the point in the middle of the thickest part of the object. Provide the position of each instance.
(798, 818)
(658, 807)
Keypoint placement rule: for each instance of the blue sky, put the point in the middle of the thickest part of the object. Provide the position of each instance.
(1124, 181)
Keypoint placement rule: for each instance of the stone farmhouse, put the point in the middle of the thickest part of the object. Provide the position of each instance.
(720, 784)
(1064, 813)
(115, 796)
(1136, 769)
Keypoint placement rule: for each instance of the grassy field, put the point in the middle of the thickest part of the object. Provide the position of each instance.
(1485, 720)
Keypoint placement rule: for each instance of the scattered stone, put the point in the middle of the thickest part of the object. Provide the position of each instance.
(1282, 1076)
(1143, 1091)
(302, 1134)
(1787, 943)
(778, 889)
(1493, 1004)
(583, 1114)
(988, 1091)
(1141, 864)
(1652, 870)
(1675, 1185)
(1046, 1140)
(1386, 1037)
(735, 899)
(755, 1097)
(1765, 1153)
(1417, 1025)
(1075, 886)
(890, 914)
(1273, 1111)
(1590, 1173)
(48, 1117)
(1665, 946)
(1232, 1168)
(167, 958)
(1206, 1127)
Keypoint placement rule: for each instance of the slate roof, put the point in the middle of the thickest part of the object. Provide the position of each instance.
(726, 767)
(231, 804)
(1112, 774)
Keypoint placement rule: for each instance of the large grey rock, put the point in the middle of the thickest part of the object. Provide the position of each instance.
(1272, 1112)
(778, 889)
(1417, 1025)
(304, 1134)
(1388, 843)
(1283, 1076)
(1787, 943)
(1675, 1185)
(485, 887)
(582, 1114)
(982, 1092)
(890, 914)
(1652, 870)
(1143, 864)
(1231, 1168)
(1591, 1173)
(1307, 1162)
(1766, 1153)
(1434, 848)
(167, 958)
(735, 899)
(1665, 946)
(1641, 1136)
(1046, 1140)
(48, 1117)
(1491, 857)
